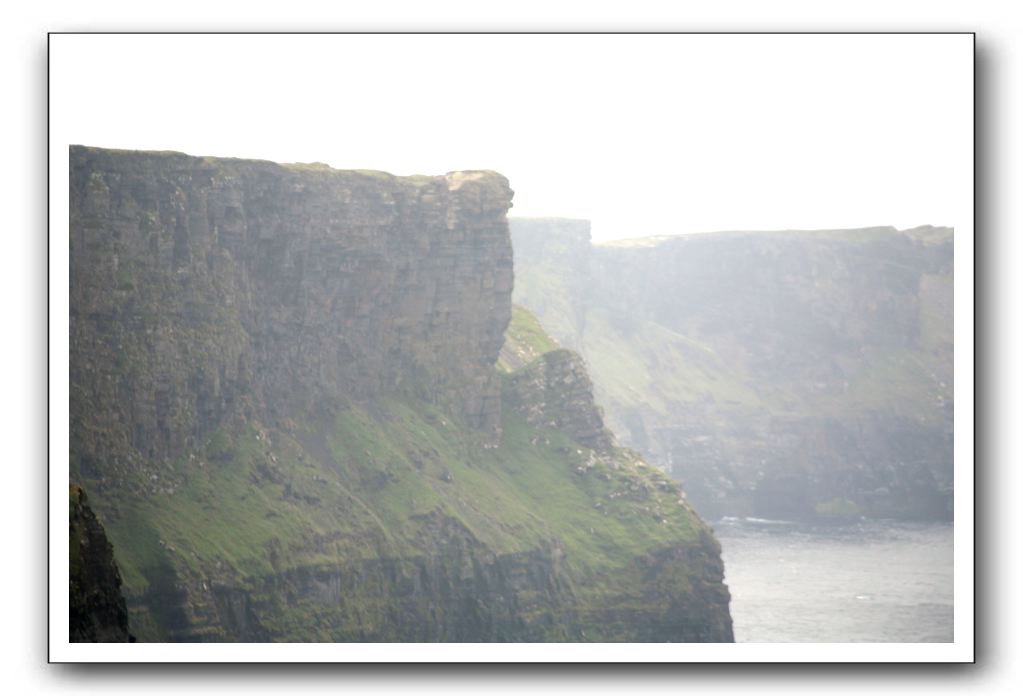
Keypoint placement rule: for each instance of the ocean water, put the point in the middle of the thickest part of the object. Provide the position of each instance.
(867, 581)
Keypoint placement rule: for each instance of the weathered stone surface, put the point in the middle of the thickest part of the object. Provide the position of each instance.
(776, 374)
(204, 288)
(285, 405)
(555, 391)
(98, 610)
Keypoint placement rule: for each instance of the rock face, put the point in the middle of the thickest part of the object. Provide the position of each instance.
(776, 374)
(223, 283)
(98, 610)
(555, 391)
(550, 389)
(285, 405)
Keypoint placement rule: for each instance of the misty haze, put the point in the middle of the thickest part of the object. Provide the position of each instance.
(536, 398)
(304, 407)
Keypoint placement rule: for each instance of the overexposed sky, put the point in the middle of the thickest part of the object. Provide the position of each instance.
(642, 134)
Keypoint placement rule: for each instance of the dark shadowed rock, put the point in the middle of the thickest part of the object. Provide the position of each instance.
(98, 610)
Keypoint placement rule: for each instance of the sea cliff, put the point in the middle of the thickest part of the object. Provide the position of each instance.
(790, 374)
(285, 406)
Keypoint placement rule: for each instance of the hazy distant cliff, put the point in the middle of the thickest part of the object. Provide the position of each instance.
(788, 374)
(285, 404)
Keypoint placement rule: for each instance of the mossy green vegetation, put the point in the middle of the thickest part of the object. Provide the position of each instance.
(525, 340)
(372, 484)
(285, 402)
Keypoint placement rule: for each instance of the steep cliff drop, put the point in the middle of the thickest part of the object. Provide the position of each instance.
(98, 610)
(285, 404)
(794, 375)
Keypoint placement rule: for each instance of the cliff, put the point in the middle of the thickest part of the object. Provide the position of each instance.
(285, 404)
(549, 386)
(276, 289)
(97, 607)
(776, 374)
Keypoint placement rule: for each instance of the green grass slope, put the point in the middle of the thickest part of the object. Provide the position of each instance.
(255, 508)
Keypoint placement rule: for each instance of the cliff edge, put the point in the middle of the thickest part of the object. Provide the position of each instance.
(285, 405)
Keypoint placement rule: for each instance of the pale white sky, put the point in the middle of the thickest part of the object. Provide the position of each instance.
(642, 135)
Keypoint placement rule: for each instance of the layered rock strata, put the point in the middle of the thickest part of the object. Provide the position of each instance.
(555, 391)
(202, 287)
(285, 405)
(776, 374)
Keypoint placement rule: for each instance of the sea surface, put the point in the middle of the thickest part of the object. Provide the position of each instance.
(866, 581)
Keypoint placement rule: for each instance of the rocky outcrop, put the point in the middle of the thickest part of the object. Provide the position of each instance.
(284, 402)
(98, 610)
(555, 391)
(776, 374)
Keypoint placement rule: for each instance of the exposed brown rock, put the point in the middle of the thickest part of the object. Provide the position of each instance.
(204, 288)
